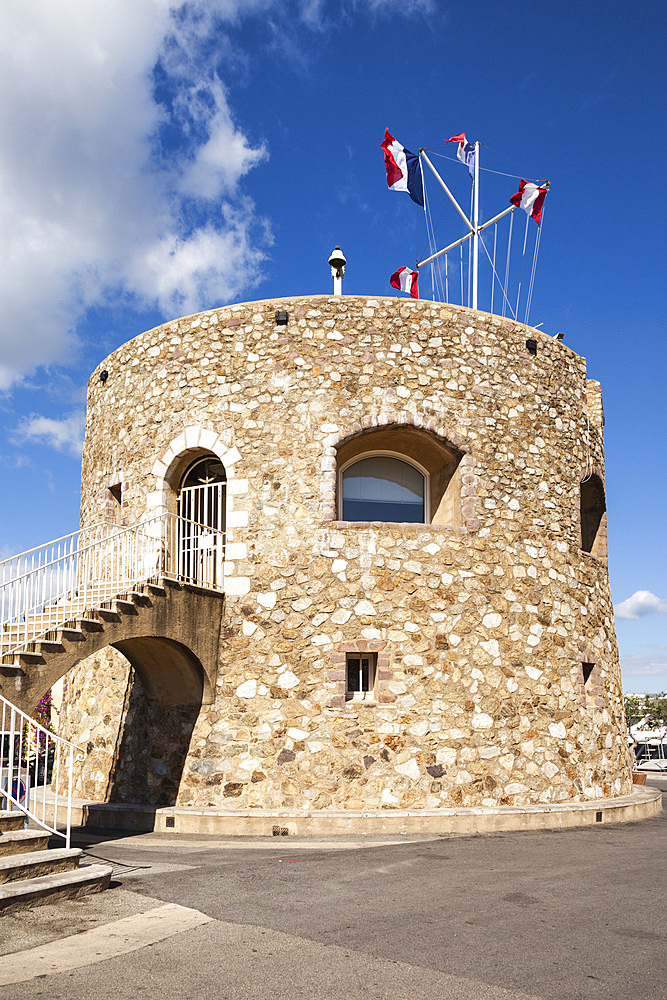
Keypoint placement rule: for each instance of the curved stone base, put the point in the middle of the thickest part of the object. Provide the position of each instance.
(642, 803)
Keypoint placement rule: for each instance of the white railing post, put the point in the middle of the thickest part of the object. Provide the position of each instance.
(42, 589)
(28, 744)
(70, 768)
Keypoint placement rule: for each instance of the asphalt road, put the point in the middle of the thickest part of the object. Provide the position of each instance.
(577, 914)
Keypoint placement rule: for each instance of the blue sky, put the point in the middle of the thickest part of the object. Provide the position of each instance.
(160, 159)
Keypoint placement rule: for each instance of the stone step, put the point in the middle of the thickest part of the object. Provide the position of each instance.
(70, 632)
(46, 888)
(107, 614)
(74, 622)
(11, 819)
(50, 646)
(124, 605)
(33, 864)
(28, 656)
(87, 624)
(10, 665)
(23, 842)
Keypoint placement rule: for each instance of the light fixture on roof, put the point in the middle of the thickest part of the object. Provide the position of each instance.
(337, 263)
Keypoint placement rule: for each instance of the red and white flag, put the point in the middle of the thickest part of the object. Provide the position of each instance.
(465, 152)
(530, 197)
(406, 281)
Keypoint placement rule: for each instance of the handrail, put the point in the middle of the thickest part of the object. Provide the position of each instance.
(69, 578)
(53, 541)
(89, 572)
(32, 761)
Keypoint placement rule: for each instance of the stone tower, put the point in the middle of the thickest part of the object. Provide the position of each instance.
(417, 609)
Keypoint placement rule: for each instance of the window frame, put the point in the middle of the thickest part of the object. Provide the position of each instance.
(401, 457)
(370, 693)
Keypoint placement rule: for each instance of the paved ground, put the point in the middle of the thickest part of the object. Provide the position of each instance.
(578, 914)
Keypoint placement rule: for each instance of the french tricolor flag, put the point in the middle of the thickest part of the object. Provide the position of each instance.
(530, 197)
(404, 171)
(406, 281)
(466, 152)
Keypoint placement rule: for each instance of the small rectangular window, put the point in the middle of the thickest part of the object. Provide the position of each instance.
(360, 676)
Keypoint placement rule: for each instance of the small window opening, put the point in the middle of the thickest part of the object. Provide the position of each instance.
(115, 505)
(360, 675)
(593, 519)
(587, 670)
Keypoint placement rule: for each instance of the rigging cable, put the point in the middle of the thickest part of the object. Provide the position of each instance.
(432, 246)
(507, 262)
(493, 263)
(486, 170)
(509, 159)
(523, 257)
(472, 195)
(506, 300)
(534, 269)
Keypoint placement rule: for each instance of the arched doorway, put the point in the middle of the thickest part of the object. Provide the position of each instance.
(202, 498)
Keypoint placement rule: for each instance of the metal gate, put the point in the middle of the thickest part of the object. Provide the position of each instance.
(202, 551)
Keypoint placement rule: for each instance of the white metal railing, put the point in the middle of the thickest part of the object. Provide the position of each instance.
(35, 770)
(46, 587)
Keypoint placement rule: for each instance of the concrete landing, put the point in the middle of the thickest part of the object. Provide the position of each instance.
(642, 803)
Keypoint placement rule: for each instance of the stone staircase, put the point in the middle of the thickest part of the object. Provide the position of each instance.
(29, 644)
(31, 873)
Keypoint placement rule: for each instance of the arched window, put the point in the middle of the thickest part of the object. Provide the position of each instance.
(383, 488)
(397, 473)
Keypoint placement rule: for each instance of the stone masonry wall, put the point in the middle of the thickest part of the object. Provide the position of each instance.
(480, 626)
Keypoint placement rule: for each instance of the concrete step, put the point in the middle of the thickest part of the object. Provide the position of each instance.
(23, 842)
(10, 665)
(124, 606)
(107, 614)
(46, 888)
(33, 864)
(87, 624)
(70, 633)
(11, 819)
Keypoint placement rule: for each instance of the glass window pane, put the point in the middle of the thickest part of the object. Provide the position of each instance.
(381, 488)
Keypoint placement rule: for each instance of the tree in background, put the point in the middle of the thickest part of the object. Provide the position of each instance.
(653, 707)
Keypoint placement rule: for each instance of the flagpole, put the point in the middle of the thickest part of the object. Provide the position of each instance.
(475, 239)
(446, 190)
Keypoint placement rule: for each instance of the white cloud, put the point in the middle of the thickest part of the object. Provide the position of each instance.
(404, 8)
(121, 163)
(63, 435)
(221, 161)
(639, 604)
(89, 202)
(646, 664)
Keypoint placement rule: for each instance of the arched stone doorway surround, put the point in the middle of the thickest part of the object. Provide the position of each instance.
(194, 442)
